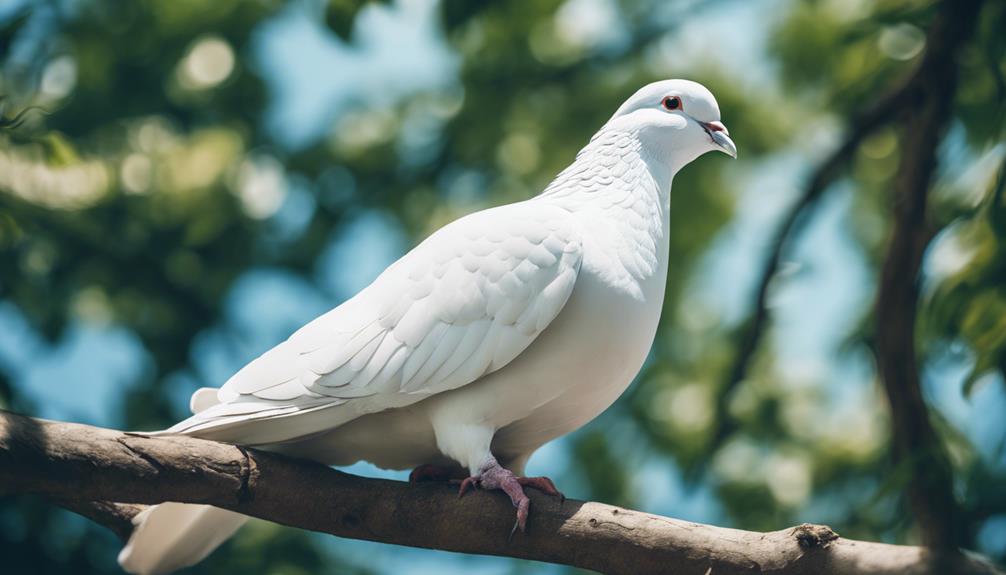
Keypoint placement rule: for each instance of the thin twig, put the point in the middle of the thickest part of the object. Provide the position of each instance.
(18, 119)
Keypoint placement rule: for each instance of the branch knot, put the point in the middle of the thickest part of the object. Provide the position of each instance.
(810, 536)
(249, 473)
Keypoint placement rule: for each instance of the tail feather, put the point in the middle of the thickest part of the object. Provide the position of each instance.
(170, 536)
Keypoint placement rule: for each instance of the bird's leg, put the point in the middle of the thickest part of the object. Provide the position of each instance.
(429, 473)
(492, 475)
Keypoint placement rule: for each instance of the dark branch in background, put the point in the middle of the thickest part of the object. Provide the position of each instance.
(917, 448)
(77, 464)
(20, 118)
(861, 127)
(924, 100)
(883, 112)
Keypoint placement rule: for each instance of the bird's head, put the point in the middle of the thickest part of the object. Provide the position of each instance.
(677, 119)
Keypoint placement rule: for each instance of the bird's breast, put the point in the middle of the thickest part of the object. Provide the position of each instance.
(591, 351)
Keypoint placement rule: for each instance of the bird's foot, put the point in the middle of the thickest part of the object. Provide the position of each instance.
(494, 476)
(430, 473)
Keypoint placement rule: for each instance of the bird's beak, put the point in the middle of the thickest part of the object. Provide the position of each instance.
(721, 137)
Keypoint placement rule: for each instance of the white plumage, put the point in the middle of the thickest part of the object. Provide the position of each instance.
(499, 332)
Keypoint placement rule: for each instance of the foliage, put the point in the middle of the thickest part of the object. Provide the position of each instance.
(133, 203)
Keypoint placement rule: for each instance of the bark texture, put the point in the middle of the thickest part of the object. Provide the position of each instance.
(86, 468)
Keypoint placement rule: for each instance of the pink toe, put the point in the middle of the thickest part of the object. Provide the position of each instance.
(466, 484)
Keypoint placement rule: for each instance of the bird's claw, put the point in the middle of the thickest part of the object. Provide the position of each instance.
(494, 476)
(466, 484)
(543, 484)
(520, 523)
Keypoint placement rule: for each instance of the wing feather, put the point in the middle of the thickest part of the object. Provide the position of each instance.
(341, 349)
(453, 336)
(423, 352)
(290, 389)
(476, 332)
(463, 303)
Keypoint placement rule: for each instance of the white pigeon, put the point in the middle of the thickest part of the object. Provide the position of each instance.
(500, 332)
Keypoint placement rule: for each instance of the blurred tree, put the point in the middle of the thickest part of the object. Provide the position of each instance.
(145, 193)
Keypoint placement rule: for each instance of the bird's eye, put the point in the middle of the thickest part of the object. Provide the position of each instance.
(672, 103)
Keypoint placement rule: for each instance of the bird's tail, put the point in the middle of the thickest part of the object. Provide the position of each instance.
(170, 536)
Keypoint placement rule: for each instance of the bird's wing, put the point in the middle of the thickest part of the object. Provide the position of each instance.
(462, 304)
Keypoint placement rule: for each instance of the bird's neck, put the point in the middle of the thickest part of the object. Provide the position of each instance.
(611, 169)
(621, 193)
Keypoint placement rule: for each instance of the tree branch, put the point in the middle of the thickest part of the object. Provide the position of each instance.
(917, 448)
(75, 464)
(941, 49)
(883, 112)
(117, 517)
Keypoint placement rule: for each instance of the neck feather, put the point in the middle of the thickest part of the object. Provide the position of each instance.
(613, 165)
(622, 195)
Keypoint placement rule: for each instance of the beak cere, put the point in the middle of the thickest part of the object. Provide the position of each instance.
(717, 127)
(721, 137)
